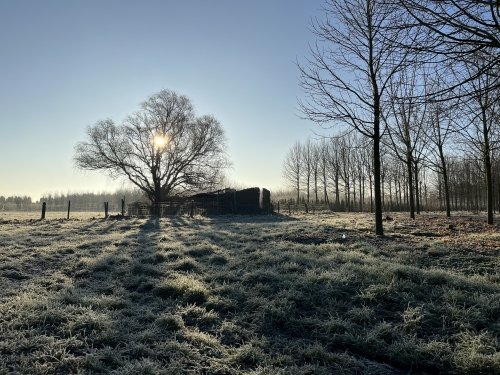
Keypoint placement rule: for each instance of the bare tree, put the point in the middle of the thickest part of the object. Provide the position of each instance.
(439, 129)
(347, 76)
(323, 151)
(334, 167)
(481, 111)
(163, 149)
(367, 160)
(308, 162)
(345, 162)
(316, 170)
(292, 167)
(405, 124)
(360, 173)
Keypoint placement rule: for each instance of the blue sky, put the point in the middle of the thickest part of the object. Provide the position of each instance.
(66, 64)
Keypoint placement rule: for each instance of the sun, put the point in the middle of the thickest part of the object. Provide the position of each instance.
(160, 141)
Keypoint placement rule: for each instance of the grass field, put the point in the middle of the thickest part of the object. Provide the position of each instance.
(309, 294)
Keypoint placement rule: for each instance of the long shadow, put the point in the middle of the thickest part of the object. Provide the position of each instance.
(107, 304)
(277, 293)
(242, 218)
(291, 301)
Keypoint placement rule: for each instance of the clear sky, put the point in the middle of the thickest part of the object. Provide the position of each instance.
(66, 64)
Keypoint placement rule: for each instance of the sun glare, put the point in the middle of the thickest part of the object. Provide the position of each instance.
(160, 141)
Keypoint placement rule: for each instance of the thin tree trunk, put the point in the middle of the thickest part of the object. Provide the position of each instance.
(444, 172)
(371, 193)
(353, 208)
(325, 190)
(399, 195)
(417, 189)
(361, 192)
(316, 185)
(337, 191)
(487, 167)
(379, 226)
(390, 195)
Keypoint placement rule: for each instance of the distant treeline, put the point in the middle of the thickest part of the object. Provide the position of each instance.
(15, 203)
(79, 201)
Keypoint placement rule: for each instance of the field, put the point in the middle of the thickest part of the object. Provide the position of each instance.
(308, 294)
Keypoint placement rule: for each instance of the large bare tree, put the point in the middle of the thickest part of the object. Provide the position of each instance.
(346, 78)
(164, 148)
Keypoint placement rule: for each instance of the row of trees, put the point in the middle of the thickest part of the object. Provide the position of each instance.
(79, 201)
(338, 172)
(333, 171)
(91, 201)
(15, 202)
(386, 69)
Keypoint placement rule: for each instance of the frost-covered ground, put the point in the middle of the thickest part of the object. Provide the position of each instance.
(310, 294)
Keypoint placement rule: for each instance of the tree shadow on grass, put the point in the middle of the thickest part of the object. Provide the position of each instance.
(199, 295)
(98, 314)
(243, 219)
(330, 305)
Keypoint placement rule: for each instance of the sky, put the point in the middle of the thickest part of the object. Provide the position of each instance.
(66, 64)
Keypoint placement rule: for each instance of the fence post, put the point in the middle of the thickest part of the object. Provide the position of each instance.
(278, 207)
(106, 210)
(289, 209)
(218, 204)
(123, 206)
(44, 207)
(69, 207)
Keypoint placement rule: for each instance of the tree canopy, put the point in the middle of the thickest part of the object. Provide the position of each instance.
(164, 148)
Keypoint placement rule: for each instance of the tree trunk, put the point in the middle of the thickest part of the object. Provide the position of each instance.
(371, 193)
(446, 187)
(417, 190)
(325, 190)
(347, 194)
(353, 194)
(399, 195)
(361, 192)
(308, 186)
(440, 193)
(157, 198)
(337, 192)
(379, 228)
(298, 190)
(411, 193)
(316, 186)
(390, 195)
(487, 168)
